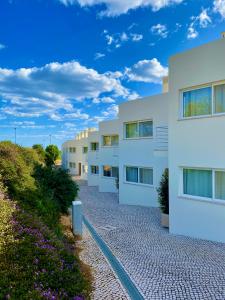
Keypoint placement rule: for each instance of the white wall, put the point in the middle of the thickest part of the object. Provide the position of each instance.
(196, 143)
(143, 152)
(93, 159)
(108, 155)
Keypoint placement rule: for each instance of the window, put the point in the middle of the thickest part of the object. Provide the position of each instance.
(219, 97)
(72, 149)
(139, 175)
(85, 149)
(110, 140)
(109, 171)
(94, 170)
(199, 102)
(146, 176)
(72, 165)
(139, 129)
(199, 182)
(132, 174)
(94, 146)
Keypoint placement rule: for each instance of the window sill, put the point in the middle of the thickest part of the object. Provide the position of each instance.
(110, 147)
(138, 138)
(94, 174)
(202, 117)
(201, 199)
(139, 184)
(109, 177)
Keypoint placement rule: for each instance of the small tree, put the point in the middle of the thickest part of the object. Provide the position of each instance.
(163, 192)
(52, 153)
(40, 151)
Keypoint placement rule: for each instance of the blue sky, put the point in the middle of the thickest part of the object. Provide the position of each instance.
(67, 64)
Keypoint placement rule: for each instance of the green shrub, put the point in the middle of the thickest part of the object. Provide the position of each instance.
(40, 151)
(58, 184)
(163, 192)
(52, 153)
(34, 262)
(16, 167)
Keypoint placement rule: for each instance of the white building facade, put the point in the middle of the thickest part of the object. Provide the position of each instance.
(128, 155)
(75, 154)
(108, 156)
(197, 143)
(143, 151)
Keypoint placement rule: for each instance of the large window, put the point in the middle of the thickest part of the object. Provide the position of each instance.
(94, 170)
(110, 140)
(204, 183)
(204, 101)
(139, 175)
(109, 171)
(72, 149)
(94, 146)
(85, 149)
(139, 129)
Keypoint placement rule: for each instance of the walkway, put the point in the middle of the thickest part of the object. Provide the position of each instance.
(163, 266)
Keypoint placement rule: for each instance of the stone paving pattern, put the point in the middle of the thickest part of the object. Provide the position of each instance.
(106, 285)
(162, 265)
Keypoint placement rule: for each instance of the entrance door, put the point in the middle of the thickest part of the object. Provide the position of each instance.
(79, 169)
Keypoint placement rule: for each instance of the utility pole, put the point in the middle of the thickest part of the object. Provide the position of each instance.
(50, 138)
(15, 134)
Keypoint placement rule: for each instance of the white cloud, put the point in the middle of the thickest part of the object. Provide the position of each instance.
(116, 40)
(118, 7)
(219, 7)
(2, 46)
(192, 33)
(147, 71)
(204, 19)
(136, 37)
(160, 30)
(55, 87)
(111, 111)
(99, 55)
(201, 21)
(103, 100)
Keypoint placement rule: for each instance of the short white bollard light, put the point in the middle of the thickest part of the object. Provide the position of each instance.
(77, 217)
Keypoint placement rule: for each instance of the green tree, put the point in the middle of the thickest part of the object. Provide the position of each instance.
(52, 153)
(40, 151)
(163, 192)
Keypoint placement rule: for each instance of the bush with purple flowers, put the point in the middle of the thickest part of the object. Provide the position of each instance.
(37, 261)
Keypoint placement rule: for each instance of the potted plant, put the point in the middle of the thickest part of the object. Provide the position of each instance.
(163, 197)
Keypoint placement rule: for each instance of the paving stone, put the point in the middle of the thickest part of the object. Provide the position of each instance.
(106, 285)
(162, 265)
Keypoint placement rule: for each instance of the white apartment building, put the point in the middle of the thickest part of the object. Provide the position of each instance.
(143, 150)
(197, 143)
(75, 154)
(134, 147)
(108, 155)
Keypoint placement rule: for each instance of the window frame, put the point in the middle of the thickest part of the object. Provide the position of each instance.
(138, 183)
(85, 147)
(72, 149)
(97, 148)
(110, 171)
(72, 165)
(96, 168)
(110, 135)
(213, 113)
(192, 197)
(138, 129)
